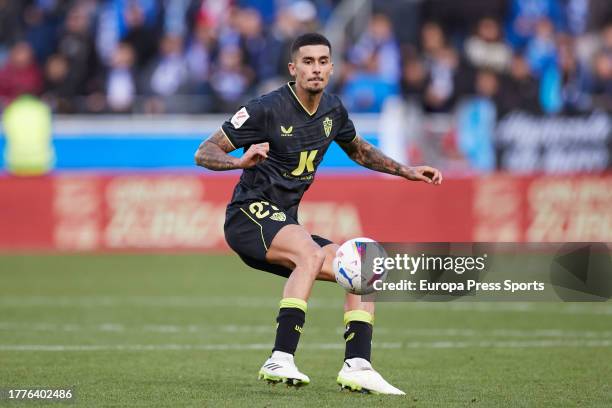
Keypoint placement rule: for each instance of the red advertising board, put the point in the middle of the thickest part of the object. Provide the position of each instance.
(186, 211)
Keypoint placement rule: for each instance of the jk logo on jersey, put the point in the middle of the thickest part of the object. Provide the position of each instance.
(286, 132)
(327, 126)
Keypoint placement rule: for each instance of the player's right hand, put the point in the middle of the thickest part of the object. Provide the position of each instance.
(255, 155)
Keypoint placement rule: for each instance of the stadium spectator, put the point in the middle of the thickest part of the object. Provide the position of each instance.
(559, 38)
(167, 77)
(441, 63)
(60, 90)
(365, 89)
(265, 8)
(378, 42)
(541, 51)
(519, 88)
(10, 13)
(573, 81)
(602, 81)
(414, 77)
(20, 74)
(599, 14)
(200, 53)
(524, 17)
(230, 79)
(140, 29)
(229, 28)
(121, 87)
(255, 45)
(175, 22)
(291, 20)
(459, 17)
(440, 93)
(476, 124)
(41, 24)
(432, 39)
(576, 16)
(215, 12)
(486, 49)
(606, 39)
(136, 22)
(287, 26)
(77, 45)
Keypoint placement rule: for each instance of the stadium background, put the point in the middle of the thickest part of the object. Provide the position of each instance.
(511, 99)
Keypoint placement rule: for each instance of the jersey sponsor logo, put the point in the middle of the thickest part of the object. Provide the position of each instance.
(239, 118)
(306, 162)
(327, 126)
(285, 132)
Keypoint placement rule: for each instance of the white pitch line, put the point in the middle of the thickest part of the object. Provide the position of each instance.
(312, 346)
(176, 347)
(266, 329)
(206, 301)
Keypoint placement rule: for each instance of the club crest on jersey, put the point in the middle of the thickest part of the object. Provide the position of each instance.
(278, 216)
(285, 132)
(327, 126)
(239, 118)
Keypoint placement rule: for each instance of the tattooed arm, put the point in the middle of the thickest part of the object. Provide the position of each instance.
(368, 156)
(213, 154)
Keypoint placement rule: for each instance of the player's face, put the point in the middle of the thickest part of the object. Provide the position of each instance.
(311, 68)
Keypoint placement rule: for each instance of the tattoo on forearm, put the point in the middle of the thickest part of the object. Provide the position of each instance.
(212, 153)
(369, 156)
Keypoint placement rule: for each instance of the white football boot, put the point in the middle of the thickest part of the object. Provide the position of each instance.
(357, 374)
(281, 368)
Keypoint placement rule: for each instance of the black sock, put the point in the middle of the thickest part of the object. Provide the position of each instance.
(290, 323)
(358, 338)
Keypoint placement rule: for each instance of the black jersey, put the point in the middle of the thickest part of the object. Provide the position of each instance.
(298, 141)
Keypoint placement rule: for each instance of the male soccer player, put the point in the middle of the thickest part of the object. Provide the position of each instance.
(284, 135)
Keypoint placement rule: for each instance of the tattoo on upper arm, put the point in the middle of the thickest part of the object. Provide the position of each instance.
(369, 156)
(213, 153)
(221, 140)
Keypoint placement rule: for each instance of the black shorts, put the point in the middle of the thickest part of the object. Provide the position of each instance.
(250, 228)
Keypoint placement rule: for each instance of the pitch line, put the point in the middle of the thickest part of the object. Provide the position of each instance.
(311, 346)
(206, 301)
(266, 329)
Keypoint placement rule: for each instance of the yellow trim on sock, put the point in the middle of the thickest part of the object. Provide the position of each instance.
(358, 316)
(293, 302)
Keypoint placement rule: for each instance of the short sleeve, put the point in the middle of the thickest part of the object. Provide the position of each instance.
(347, 132)
(247, 126)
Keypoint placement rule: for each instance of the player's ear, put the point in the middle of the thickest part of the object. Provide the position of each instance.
(291, 67)
(331, 72)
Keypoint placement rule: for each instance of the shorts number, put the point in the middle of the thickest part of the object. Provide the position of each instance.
(257, 209)
(306, 162)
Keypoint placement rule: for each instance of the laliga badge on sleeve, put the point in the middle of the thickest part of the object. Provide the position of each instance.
(239, 118)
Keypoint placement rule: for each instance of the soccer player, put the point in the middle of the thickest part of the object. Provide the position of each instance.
(285, 135)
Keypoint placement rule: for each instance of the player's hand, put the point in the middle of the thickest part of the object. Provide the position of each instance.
(255, 155)
(427, 174)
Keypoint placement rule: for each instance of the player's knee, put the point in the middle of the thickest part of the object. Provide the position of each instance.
(312, 261)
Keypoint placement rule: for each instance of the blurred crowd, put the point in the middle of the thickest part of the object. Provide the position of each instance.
(198, 56)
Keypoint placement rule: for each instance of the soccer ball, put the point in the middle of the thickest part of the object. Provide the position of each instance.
(353, 265)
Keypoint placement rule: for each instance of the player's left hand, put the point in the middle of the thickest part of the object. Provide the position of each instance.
(427, 174)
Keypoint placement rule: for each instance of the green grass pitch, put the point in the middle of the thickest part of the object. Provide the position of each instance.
(193, 330)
